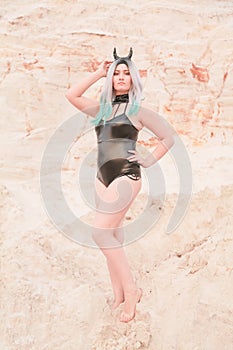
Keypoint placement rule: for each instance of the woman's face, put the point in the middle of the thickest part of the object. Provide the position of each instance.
(121, 79)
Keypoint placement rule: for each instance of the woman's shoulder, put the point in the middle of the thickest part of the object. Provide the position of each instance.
(146, 112)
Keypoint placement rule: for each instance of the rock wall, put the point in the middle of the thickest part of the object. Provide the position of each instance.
(183, 51)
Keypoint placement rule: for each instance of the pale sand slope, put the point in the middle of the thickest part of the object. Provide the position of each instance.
(55, 292)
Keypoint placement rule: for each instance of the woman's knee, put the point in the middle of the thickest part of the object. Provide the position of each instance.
(104, 231)
(105, 238)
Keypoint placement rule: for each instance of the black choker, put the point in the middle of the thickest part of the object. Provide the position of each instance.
(121, 99)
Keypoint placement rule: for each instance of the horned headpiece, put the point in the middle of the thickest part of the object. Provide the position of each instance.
(123, 58)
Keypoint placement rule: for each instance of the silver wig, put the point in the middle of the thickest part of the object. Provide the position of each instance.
(108, 94)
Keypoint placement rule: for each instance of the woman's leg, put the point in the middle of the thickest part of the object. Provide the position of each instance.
(119, 235)
(113, 204)
(115, 280)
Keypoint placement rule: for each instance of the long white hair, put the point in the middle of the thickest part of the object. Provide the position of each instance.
(108, 94)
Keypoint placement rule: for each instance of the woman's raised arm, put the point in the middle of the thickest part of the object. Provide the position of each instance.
(75, 93)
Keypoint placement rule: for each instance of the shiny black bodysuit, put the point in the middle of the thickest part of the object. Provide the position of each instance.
(115, 139)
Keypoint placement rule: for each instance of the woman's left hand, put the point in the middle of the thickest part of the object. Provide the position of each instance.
(144, 162)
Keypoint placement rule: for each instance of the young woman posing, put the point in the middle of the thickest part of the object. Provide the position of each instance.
(118, 119)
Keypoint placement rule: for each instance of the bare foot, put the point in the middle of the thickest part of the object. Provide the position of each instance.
(131, 299)
(117, 302)
(118, 299)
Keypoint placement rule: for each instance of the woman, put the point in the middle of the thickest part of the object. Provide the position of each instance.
(118, 119)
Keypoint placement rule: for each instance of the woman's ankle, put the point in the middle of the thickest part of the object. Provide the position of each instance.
(130, 289)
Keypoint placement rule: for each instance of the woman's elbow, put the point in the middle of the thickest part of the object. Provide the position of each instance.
(171, 140)
(71, 98)
(68, 95)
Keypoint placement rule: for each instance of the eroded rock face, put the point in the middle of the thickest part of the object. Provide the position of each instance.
(54, 292)
(183, 53)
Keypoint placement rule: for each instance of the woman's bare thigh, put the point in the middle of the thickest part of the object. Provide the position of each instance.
(113, 202)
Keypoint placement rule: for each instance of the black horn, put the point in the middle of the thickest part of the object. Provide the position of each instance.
(115, 54)
(130, 53)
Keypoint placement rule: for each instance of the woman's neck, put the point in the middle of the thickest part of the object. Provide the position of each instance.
(121, 98)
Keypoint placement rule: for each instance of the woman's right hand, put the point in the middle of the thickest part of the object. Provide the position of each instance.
(103, 68)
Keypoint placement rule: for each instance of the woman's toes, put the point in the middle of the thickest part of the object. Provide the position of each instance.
(126, 317)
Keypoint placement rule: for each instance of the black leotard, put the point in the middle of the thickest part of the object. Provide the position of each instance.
(115, 139)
